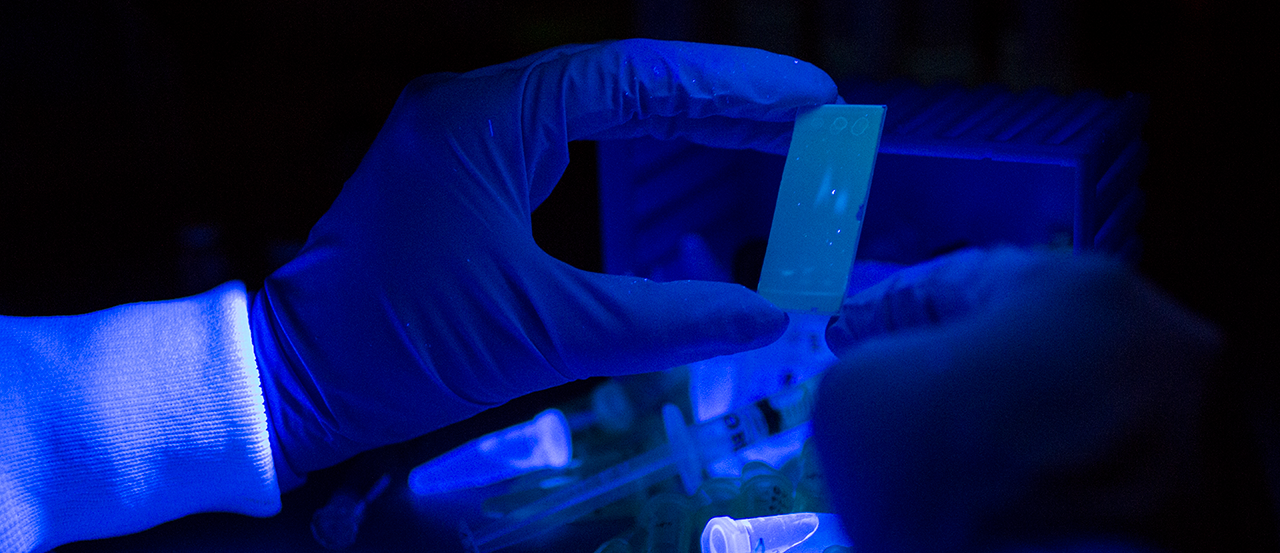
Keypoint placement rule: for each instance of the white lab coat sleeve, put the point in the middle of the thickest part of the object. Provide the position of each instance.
(118, 420)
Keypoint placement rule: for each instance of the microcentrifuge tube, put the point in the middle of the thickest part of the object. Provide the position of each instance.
(792, 533)
(544, 442)
(665, 519)
(764, 492)
(748, 425)
(719, 384)
(572, 501)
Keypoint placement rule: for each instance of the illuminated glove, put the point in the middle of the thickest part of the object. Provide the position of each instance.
(421, 298)
(995, 398)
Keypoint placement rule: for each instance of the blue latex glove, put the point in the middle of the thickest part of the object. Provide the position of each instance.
(421, 298)
(991, 400)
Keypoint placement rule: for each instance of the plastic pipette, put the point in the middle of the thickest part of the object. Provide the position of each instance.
(544, 442)
(677, 457)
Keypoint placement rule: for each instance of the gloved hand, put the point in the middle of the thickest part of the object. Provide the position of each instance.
(420, 297)
(988, 400)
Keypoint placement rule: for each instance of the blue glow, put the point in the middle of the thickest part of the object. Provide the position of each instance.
(611, 410)
(794, 533)
(571, 502)
(544, 442)
(831, 159)
(719, 384)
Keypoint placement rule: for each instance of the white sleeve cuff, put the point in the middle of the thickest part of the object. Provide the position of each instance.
(119, 420)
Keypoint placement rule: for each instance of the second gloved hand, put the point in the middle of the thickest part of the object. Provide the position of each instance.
(1015, 400)
(420, 297)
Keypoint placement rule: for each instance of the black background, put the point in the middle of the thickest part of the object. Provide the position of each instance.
(153, 149)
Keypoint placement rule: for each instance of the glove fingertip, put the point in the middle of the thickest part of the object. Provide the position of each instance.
(839, 339)
(736, 319)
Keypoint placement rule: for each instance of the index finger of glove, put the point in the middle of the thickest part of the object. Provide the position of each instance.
(721, 96)
(931, 294)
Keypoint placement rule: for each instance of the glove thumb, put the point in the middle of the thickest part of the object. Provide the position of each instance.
(630, 325)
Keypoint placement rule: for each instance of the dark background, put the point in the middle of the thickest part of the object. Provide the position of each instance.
(154, 149)
(150, 149)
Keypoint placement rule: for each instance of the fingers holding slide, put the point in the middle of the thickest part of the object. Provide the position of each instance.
(930, 294)
(511, 123)
(627, 325)
(667, 89)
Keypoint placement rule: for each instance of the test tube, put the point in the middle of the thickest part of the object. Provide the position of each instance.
(544, 442)
(719, 384)
(748, 425)
(665, 518)
(792, 533)
(678, 457)
(687, 449)
(764, 492)
(574, 500)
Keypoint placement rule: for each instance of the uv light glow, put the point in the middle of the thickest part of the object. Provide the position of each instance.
(821, 203)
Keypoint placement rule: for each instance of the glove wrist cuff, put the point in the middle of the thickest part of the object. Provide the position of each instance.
(145, 412)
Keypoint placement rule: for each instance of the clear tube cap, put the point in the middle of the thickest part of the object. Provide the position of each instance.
(774, 534)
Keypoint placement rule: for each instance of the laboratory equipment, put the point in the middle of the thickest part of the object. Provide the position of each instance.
(716, 497)
(665, 519)
(336, 524)
(719, 384)
(611, 410)
(790, 533)
(764, 492)
(573, 500)
(956, 167)
(728, 436)
(821, 203)
(544, 442)
(811, 492)
(615, 545)
(686, 454)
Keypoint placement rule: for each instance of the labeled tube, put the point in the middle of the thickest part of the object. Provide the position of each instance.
(665, 519)
(793, 533)
(571, 502)
(748, 425)
(763, 492)
(544, 442)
